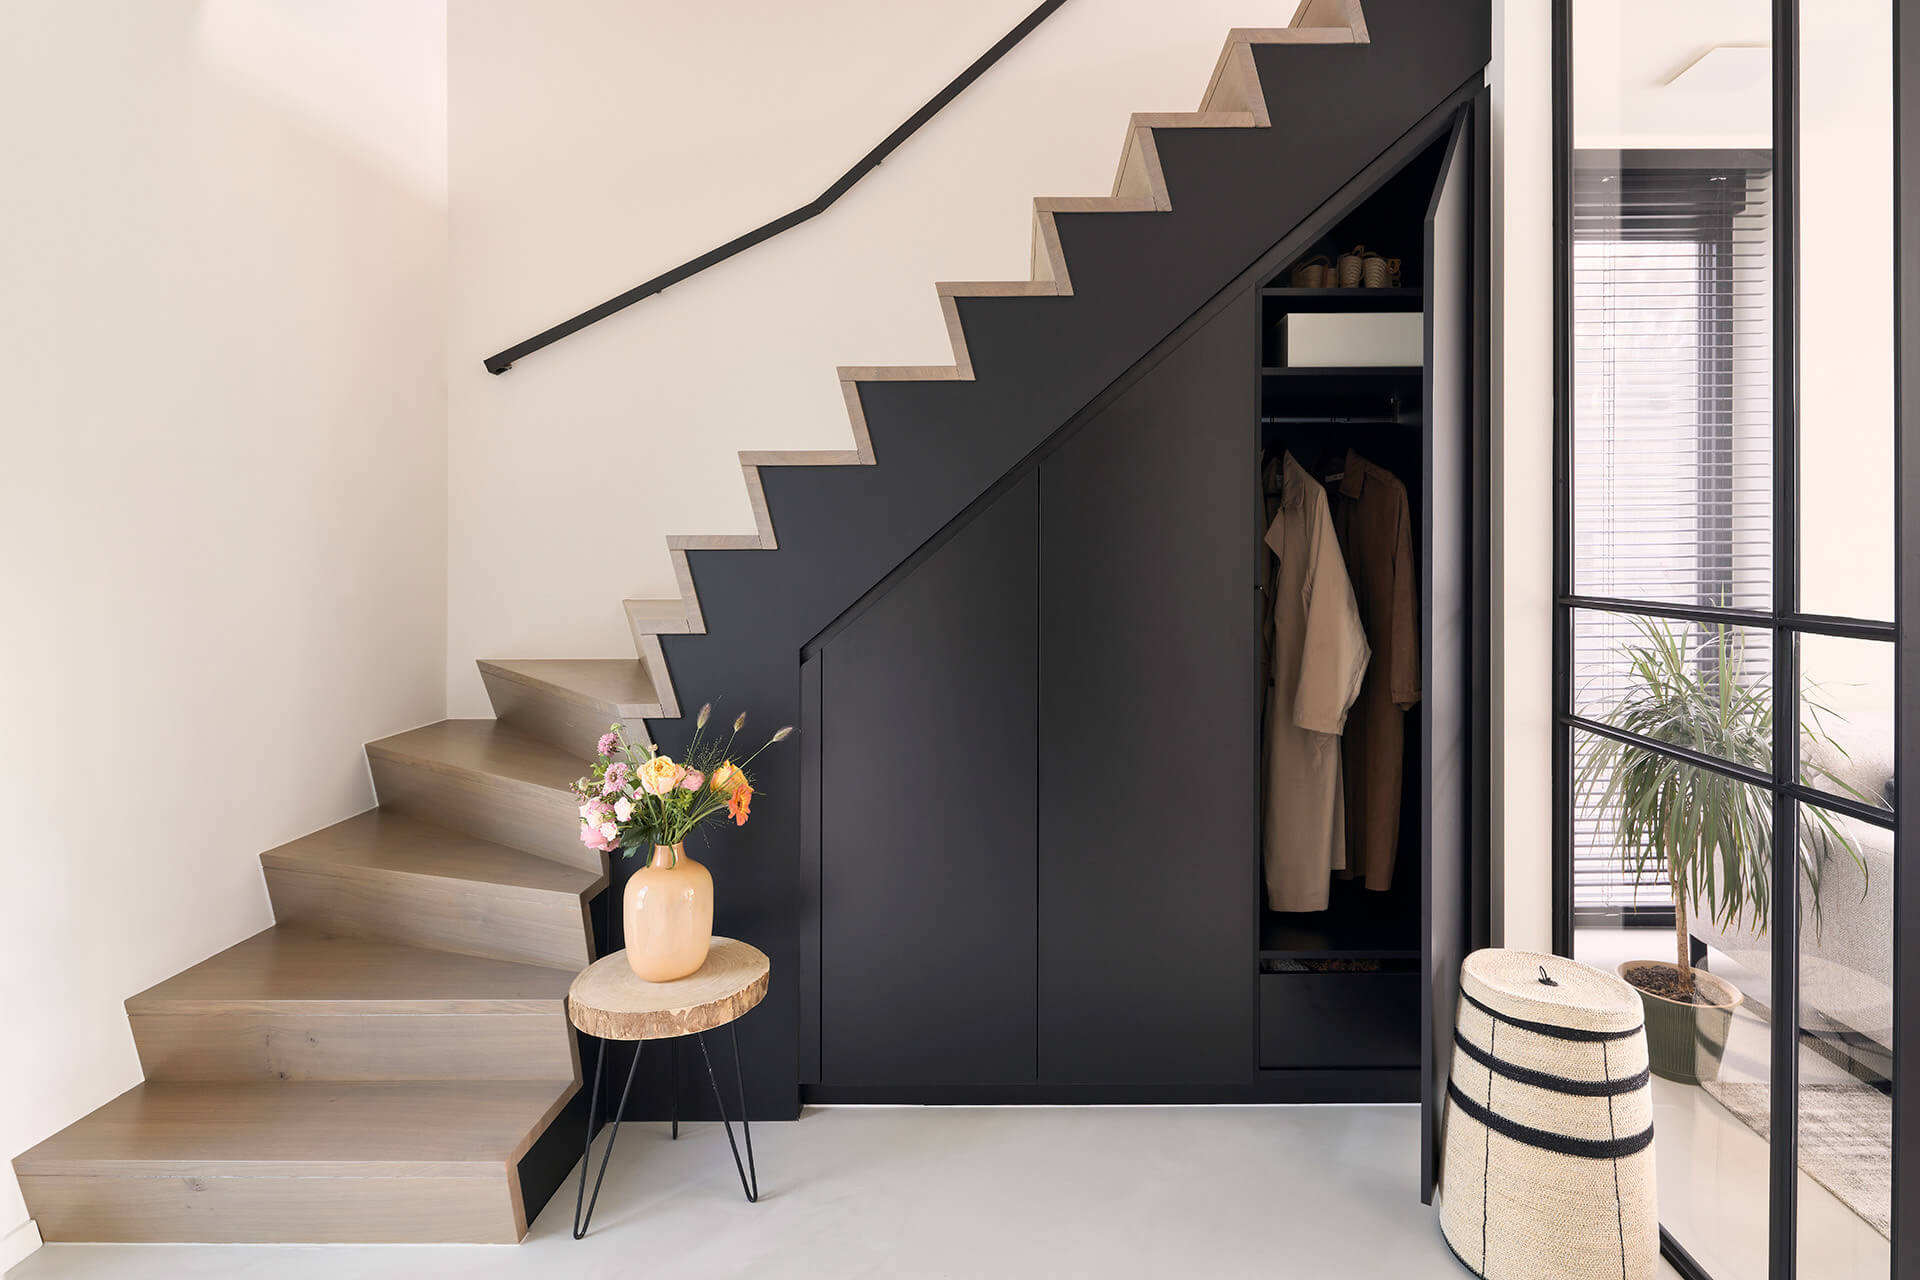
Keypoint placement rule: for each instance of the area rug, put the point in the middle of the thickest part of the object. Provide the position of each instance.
(1846, 1140)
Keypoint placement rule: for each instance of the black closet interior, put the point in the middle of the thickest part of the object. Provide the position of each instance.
(1031, 850)
(1352, 971)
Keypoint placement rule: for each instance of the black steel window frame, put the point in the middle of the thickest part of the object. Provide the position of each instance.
(1784, 621)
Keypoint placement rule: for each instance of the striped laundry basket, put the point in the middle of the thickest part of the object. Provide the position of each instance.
(1547, 1156)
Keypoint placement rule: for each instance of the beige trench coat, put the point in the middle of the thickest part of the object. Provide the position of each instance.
(1319, 658)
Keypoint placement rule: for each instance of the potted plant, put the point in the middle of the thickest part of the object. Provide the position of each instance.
(637, 797)
(1710, 834)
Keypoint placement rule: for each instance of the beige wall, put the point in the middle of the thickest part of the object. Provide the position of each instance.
(222, 483)
(595, 143)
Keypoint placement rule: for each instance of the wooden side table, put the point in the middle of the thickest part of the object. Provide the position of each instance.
(607, 1001)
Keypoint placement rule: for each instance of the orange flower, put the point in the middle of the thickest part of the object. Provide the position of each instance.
(737, 802)
(728, 776)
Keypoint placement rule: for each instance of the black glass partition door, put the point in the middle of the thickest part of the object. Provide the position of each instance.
(1726, 665)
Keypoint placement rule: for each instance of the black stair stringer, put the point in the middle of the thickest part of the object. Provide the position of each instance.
(939, 445)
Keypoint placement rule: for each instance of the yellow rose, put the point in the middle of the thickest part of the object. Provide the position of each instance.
(660, 775)
(727, 777)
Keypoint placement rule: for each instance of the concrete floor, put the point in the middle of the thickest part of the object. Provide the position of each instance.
(1219, 1192)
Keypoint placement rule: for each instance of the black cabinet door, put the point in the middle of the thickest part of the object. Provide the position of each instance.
(926, 891)
(1447, 580)
(1149, 723)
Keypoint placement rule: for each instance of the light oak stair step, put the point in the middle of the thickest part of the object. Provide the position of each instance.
(293, 1162)
(382, 874)
(293, 1004)
(481, 778)
(570, 702)
(1234, 98)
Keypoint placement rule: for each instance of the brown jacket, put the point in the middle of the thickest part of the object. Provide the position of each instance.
(1375, 528)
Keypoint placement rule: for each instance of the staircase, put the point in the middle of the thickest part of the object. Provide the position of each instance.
(375, 1066)
(1234, 100)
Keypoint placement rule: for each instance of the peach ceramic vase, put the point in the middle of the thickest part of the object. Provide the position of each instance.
(668, 909)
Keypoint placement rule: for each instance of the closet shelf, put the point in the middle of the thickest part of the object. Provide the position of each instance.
(1347, 299)
(1343, 371)
(1359, 925)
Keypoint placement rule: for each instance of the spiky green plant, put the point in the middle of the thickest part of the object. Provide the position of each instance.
(1711, 835)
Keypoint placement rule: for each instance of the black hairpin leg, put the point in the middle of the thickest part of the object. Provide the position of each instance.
(593, 1106)
(673, 1056)
(749, 1176)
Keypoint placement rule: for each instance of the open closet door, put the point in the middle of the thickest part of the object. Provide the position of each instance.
(1446, 582)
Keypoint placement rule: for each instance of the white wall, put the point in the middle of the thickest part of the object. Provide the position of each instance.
(222, 482)
(595, 143)
(1521, 89)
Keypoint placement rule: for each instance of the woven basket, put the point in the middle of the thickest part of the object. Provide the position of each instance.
(1312, 273)
(1547, 1160)
(1352, 267)
(1377, 272)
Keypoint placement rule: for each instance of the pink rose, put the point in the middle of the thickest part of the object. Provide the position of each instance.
(693, 779)
(594, 838)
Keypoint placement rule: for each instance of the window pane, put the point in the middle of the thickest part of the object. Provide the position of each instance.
(1672, 330)
(1846, 717)
(1846, 311)
(1846, 554)
(1704, 686)
(1671, 488)
(1712, 1062)
(1846, 1047)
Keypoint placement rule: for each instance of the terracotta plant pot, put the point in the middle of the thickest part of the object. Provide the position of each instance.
(668, 910)
(1685, 1042)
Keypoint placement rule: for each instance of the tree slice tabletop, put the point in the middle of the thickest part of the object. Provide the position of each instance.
(607, 999)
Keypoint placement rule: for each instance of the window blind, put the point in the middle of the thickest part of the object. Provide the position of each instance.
(1672, 475)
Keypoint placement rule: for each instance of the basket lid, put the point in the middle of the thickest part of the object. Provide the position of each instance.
(1554, 990)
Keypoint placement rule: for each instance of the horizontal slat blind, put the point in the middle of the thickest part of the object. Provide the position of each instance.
(1672, 481)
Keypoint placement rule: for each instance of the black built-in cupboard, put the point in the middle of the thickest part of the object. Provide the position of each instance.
(1032, 758)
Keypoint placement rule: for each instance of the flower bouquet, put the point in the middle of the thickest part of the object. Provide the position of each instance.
(637, 796)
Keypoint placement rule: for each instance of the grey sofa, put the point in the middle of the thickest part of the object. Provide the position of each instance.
(1846, 949)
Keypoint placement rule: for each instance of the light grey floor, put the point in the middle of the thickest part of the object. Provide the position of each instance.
(936, 1192)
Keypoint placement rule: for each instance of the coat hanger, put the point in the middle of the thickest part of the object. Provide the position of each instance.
(1331, 468)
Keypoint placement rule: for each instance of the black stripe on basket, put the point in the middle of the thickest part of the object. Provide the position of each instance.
(1546, 1080)
(1558, 1143)
(1547, 1028)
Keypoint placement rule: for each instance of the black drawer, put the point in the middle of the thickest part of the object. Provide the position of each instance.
(1368, 1019)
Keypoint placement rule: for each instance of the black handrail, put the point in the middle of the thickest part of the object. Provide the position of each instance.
(502, 361)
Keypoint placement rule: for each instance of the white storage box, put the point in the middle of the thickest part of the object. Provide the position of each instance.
(1348, 339)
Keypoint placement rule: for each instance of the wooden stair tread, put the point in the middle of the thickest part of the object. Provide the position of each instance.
(620, 685)
(382, 842)
(481, 746)
(309, 1129)
(1234, 98)
(288, 968)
